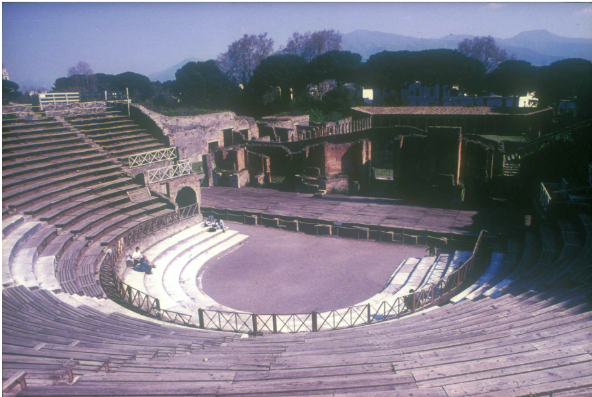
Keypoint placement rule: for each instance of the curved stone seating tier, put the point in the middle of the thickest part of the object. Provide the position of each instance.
(495, 273)
(474, 348)
(11, 223)
(11, 244)
(549, 247)
(117, 135)
(50, 173)
(65, 155)
(585, 258)
(178, 259)
(43, 334)
(23, 169)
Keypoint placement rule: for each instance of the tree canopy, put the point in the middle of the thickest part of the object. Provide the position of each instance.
(202, 84)
(566, 79)
(310, 45)
(339, 65)
(283, 71)
(513, 78)
(244, 55)
(485, 50)
(9, 91)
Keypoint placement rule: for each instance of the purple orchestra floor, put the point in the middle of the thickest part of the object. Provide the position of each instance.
(282, 272)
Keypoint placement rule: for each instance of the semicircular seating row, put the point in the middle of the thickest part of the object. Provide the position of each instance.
(69, 198)
(525, 327)
(179, 259)
(530, 341)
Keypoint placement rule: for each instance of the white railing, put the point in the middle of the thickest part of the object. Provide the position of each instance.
(183, 167)
(58, 97)
(547, 192)
(142, 159)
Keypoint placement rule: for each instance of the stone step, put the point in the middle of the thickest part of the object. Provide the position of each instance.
(11, 245)
(187, 286)
(154, 284)
(11, 223)
(496, 266)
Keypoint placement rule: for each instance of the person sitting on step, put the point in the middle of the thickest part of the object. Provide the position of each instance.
(136, 256)
(221, 225)
(145, 265)
(410, 300)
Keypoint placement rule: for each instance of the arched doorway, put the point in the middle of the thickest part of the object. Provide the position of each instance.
(185, 197)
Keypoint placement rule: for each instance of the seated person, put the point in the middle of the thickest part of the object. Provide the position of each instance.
(409, 300)
(136, 256)
(221, 224)
(145, 265)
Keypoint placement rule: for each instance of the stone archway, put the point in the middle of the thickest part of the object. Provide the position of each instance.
(186, 196)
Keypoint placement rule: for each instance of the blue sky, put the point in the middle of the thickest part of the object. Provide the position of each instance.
(41, 40)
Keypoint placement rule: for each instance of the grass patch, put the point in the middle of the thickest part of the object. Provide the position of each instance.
(384, 172)
(500, 138)
(181, 110)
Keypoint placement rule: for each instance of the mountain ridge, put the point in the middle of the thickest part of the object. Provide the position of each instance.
(539, 47)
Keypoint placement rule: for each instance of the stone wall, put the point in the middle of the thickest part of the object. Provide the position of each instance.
(19, 111)
(72, 109)
(171, 187)
(282, 129)
(191, 134)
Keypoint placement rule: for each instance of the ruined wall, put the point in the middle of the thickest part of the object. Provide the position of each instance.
(281, 129)
(19, 111)
(191, 134)
(171, 187)
(72, 109)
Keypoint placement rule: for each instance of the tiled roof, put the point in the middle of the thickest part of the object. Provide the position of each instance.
(448, 110)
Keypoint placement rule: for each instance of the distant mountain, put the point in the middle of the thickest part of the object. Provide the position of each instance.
(169, 73)
(538, 47)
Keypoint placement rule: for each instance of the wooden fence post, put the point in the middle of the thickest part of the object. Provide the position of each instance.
(254, 324)
(274, 319)
(314, 322)
(201, 318)
(369, 317)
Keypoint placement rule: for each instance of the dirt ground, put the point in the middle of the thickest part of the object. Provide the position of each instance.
(277, 271)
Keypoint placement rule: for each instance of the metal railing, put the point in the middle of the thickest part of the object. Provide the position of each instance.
(388, 309)
(155, 156)
(547, 193)
(130, 295)
(183, 167)
(255, 324)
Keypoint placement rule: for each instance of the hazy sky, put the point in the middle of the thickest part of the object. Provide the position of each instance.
(41, 40)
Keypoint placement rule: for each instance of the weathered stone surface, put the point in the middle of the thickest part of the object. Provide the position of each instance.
(70, 109)
(191, 134)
